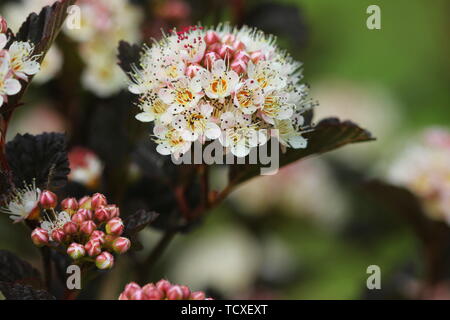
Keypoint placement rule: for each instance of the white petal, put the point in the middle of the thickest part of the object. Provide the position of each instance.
(166, 95)
(227, 120)
(163, 149)
(189, 135)
(212, 131)
(240, 150)
(196, 84)
(134, 88)
(1, 100)
(160, 131)
(12, 86)
(298, 142)
(206, 109)
(145, 117)
(218, 67)
(3, 40)
(31, 67)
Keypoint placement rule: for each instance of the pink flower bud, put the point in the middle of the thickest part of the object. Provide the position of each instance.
(198, 295)
(76, 251)
(238, 45)
(98, 236)
(123, 296)
(242, 55)
(226, 51)
(3, 25)
(257, 56)
(39, 237)
(78, 218)
(163, 285)
(121, 245)
(86, 213)
(136, 294)
(130, 287)
(228, 39)
(58, 235)
(85, 203)
(152, 293)
(98, 200)
(70, 228)
(209, 59)
(48, 199)
(113, 211)
(114, 226)
(87, 227)
(175, 293)
(93, 248)
(70, 205)
(215, 47)
(104, 261)
(211, 37)
(192, 70)
(186, 292)
(239, 66)
(101, 214)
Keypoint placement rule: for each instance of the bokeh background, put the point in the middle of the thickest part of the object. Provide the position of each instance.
(311, 231)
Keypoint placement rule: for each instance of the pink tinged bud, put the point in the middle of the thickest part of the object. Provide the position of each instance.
(163, 285)
(214, 48)
(78, 218)
(76, 251)
(186, 292)
(242, 55)
(70, 205)
(39, 237)
(48, 199)
(101, 214)
(87, 227)
(238, 45)
(211, 37)
(239, 66)
(93, 248)
(114, 226)
(121, 245)
(113, 211)
(257, 56)
(104, 261)
(152, 293)
(85, 203)
(58, 235)
(70, 228)
(228, 39)
(86, 213)
(132, 286)
(98, 236)
(123, 296)
(209, 59)
(137, 295)
(175, 293)
(226, 51)
(198, 295)
(3, 25)
(192, 70)
(98, 200)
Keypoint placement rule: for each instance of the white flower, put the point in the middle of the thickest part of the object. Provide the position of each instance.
(23, 203)
(3, 40)
(54, 221)
(22, 62)
(267, 74)
(239, 135)
(8, 85)
(153, 108)
(276, 106)
(248, 96)
(195, 123)
(182, 94)
(170, 141)
(219, 82)
(50, 66)
(289, 135)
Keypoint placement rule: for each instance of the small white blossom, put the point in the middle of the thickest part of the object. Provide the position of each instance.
(23, 204)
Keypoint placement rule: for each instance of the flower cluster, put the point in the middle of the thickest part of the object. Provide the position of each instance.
(103, 24)
(162, 290)
(17, 62)
(424, 168)
(234, 85)
(89, 229)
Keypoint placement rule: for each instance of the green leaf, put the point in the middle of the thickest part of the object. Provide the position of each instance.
(327, 135)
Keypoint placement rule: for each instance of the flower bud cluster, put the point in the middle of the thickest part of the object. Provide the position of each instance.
(88, 229)
(161, 290)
